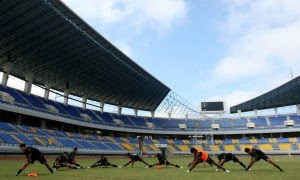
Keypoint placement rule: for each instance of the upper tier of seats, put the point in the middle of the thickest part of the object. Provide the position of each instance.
(37, 103)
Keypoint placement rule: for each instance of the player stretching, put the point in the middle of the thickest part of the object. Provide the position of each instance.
(257, 155)
(226, 157)
(103, 162)
(71, 158)
(32, 155)
(133, 158)
(61, 162)
(163, 160)
(202, 156)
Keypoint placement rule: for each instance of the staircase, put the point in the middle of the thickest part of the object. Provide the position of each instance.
(128, 147)
(52, 141)
(38, 140)
(17, 139)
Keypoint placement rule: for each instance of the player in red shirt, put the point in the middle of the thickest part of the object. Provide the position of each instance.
(202, 156)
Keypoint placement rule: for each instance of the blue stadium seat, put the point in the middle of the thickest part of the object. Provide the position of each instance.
(101, 146)
(240, 123)
(157, 123)
(114, 146)
(263, 141)
(139, 121)
(277, 121)
(260, 122)
(15, 94)
(190, 124)
(33, 100)
(296, 119)
(88, 112)
(223, 123)
(172, 124)
(8, 138)
(106, 117)
(126, 122)
(205, 124)
(7, 127)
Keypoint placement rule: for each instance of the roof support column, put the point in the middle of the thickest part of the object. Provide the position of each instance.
(28, 82)
(240, 113)
(101, 106)
(47, 90)
(136, 112)
(152, 114)
(169, 115)
(119, 110)
(6, 70)
(186, 116)
(276, 111)
(255, 112)
(66, 96)
(298, 109)
(203, 116)
(84, 99)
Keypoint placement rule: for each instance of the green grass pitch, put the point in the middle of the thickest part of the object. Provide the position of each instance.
(261, 170)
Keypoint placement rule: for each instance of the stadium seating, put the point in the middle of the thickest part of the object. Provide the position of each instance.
(76, 113)
(277, 121)
(260, 122)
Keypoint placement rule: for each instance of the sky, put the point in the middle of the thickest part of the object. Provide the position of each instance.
(205, 50)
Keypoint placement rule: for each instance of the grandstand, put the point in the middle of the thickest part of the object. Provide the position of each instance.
(62, 53)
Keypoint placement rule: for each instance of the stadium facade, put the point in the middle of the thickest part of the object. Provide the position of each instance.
(44, 43)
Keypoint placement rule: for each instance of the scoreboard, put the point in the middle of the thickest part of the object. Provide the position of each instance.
(212, 106)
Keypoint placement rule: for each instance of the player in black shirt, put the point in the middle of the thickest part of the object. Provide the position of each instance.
(61, 162)
(257, 155)
(226, 157)
(133, 158)
(32, 155)
(163, 160)
(103, 161)
(71, 158)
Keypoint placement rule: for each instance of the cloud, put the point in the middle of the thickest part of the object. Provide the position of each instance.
(262, 37)
(263, 44)
(155, 14)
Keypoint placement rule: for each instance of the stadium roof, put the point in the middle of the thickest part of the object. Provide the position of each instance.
(285, 95)
(47, 38)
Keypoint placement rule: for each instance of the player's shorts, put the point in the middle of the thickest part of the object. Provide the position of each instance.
(138, 159)
(59, 165)
(220, 157)
(262, 156)
(70, 161)
(209, 161)
(163, 162)
(103, 164)
(42, 160)
(231, 158)
(228, 157)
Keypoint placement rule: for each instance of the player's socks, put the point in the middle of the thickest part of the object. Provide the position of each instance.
(242, 165)
(177, 166)
(278, 168)
(114, 165)
(51, 170)
(19, 171)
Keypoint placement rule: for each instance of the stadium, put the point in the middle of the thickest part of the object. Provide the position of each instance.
(81, 74)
